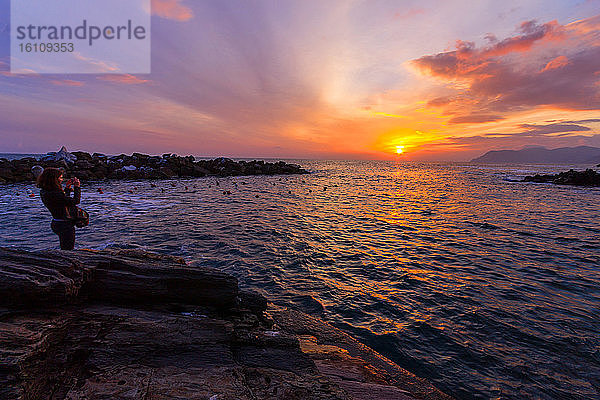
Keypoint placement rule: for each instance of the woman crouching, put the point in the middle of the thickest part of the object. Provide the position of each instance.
(58, 202)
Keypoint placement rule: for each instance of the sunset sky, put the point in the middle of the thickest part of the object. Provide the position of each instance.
(448, 80)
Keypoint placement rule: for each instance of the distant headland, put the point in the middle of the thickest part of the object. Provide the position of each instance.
(98, 166)
(542, 155)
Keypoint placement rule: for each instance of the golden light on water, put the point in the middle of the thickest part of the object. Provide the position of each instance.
(399, 149)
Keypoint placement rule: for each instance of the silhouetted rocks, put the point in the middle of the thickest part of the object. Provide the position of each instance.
(589, 177)
(137, 166)
(126, 324)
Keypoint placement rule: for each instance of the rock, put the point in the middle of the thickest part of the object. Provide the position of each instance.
(37, 170)
(252, 300)
(82, 175)
(589, 177)
(62, 154)
(31, 279)
(131, 280)
(84, 164)
(82, 156)
(34, 279)
(119, 324)
(139, 166)
(99, 156)
(358, 370)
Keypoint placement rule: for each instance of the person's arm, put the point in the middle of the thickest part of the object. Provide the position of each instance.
(76, 199)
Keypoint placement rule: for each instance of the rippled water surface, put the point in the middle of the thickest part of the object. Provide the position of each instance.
(489, 288)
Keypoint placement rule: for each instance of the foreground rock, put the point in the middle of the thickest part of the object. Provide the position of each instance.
(135, 325)
(137, 166)
(589, 177)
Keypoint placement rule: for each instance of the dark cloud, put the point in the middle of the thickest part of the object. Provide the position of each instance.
(582, 121)
(482, 143)
(475, 118)
(439, 101)
(553, 128)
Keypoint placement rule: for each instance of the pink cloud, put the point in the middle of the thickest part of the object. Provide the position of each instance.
(171, 9)
(66, 82)
(467, 59)
(521, 72)
(531, 33)
(126, 79)
(24, 73)
(558, 62)
(412, 12)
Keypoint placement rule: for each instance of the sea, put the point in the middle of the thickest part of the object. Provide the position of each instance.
(487, 286)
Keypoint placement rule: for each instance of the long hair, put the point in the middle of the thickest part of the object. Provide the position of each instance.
(48, 180)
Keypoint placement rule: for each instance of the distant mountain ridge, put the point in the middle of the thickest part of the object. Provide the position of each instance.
(562, 155)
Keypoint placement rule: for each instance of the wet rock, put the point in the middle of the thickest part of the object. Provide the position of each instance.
(361, 372)
(128, 324)
(78, 343)
(589, 177)
(252, 300)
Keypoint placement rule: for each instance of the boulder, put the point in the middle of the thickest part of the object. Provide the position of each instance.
(82, 156)
(62, 154)
(252, 300)
(84, 164)
(37, 170)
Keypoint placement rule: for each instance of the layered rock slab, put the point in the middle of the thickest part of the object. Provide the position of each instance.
(136, 325)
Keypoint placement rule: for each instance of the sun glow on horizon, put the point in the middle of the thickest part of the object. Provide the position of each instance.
(399, 149)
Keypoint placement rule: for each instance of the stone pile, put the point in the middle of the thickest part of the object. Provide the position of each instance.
(98, 166)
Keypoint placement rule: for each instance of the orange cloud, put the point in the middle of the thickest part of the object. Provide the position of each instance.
(412, 12)
(171, 9)
(126, 79)
(558, 62)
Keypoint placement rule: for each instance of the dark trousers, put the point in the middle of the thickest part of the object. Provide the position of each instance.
(66, 233)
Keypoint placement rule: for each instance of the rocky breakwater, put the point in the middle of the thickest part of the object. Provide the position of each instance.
(98, 166)
(133, 325)
(589, 177)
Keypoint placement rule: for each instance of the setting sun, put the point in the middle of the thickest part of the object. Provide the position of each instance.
(399, 149)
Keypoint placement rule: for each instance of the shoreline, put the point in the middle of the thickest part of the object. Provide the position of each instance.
(119, 323)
